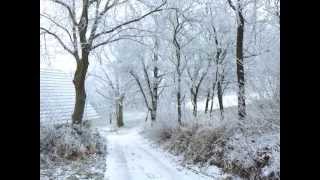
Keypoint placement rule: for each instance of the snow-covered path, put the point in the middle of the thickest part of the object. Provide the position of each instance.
(130, 157)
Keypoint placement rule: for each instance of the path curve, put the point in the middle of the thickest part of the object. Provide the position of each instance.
(130, 157)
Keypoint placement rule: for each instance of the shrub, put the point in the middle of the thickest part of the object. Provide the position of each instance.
(249, 154)
(71, 142)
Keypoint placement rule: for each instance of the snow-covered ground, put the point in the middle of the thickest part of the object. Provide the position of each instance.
(132, 157)
(228, 101)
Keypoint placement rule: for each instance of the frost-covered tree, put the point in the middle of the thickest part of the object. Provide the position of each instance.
(238, 8)
(114, 88)
(216, 27)
(152, 80)
(179, 20)
(81, 27)
(197, 70)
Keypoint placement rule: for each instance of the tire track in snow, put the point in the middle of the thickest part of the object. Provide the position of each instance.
(149, 165)
(117, 168)
(130, 157)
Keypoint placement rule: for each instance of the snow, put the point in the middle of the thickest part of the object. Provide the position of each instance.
(228, 101)
(132, 157)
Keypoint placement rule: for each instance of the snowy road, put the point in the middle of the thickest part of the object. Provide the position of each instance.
(130, 157)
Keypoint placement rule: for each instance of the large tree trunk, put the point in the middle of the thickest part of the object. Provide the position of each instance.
(220, 99)
(195, 109)
(240, 69)
(153, 115)
(155, 87)
(179, 100)
(119, 112)
(79, 84)
(179, 73)
(154, 104)
(179, 88)
(194, 102)
(82, 67)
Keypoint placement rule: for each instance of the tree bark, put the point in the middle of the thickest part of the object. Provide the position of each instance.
(155, 85)
(153, 115)
(195, 109)
(207, 102)
(194, 95)
(82, 67)
(239, 60)
(220, 99)
(178, 68)
(240, 68)
(119, 112)
(179, 103)
(211, 105)
(179, 86)
(212, 97)
(79, 84)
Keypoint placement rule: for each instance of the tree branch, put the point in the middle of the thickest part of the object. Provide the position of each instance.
(72, 16)
(59, 40)
(58, 25)
(231, 5)
(141, 89)
(131, 21)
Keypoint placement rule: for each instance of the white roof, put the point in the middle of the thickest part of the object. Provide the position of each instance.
(57, 97)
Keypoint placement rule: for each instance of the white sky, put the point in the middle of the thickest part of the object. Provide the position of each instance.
(61, 60)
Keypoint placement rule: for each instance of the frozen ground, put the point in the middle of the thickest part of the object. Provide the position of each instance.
(132, 157)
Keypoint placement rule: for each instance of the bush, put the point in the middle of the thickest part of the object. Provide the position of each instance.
(180, 140)
(69, 142)
(202, 145)
(248, 154)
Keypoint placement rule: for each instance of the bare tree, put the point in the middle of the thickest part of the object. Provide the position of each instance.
(155, 83)
(273, 8)
(117, 94)
(196, 78)
(151, 95)
(239, 58)
(178, 21)
(85, 35)
(220, 70)
(218, 43)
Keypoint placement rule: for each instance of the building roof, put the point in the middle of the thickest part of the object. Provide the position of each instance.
(57, 97)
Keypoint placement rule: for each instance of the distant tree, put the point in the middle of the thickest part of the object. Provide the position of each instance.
(197, 73)
(178, 21)
(118, 89)
(151, 92)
